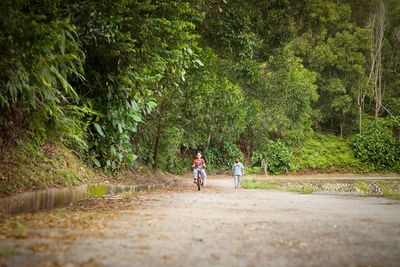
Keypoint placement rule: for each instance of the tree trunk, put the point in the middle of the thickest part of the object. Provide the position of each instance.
(360, 105)
(155, 148)
(360, 118)
(341, 126)
(377, 25)
(157, 136)
(209, 140)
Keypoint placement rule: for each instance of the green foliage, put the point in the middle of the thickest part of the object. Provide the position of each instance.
(40, 56)
(257, 158)
(290, 82)
(71, 178)
(232, 31)
(337, 50)
(276, 154)
(27, 166)
(170, 158)
(326, 152)
(377, 145)
(117, 80)
(137, 50)
(222, 158)
(254, 170)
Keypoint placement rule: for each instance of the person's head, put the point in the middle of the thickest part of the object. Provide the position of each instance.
(237, 160)
(198, 155)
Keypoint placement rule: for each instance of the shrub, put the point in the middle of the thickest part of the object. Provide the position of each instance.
(377, 145)
(256, 158)
(277, 155)
(221, 158)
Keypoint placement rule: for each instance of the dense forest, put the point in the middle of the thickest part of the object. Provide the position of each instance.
(302, 85)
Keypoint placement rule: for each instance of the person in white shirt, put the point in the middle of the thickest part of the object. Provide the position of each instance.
(237, 171)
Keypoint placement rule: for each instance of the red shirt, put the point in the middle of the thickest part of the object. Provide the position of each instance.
(199, 163)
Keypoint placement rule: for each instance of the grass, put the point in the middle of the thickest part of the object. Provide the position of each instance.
(383, 188)
(388, 191)
(254, 170)
(256, 184)
(363, 187)
(96, 190)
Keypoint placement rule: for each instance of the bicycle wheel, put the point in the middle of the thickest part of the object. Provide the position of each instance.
(199, 183)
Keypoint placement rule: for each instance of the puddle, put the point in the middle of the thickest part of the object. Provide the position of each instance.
(55, 198)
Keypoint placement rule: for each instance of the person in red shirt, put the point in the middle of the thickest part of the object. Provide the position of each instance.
(198, 165)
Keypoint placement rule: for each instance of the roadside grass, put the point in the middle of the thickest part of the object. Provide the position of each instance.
(96, 190)
(302, 189)
(257, 184)
(378, 188)
(389, 192)
(363, 187)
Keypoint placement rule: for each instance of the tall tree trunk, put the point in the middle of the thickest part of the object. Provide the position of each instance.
(341, 126)
(360, 119)
(155, 147)
(360, 105)
(157, 136)
(209, 140)
(377, 25)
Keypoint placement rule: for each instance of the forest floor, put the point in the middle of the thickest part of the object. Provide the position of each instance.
(219, 226)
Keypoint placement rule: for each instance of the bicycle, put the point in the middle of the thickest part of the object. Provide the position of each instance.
(199, 180)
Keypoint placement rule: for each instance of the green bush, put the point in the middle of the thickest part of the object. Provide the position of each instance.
(177, 165)
(256, 158)
(277, 156)
(221, 158)
(377, 145)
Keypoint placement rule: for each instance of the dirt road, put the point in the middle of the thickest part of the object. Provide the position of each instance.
(220, 226)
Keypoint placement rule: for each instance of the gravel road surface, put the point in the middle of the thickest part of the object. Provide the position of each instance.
(219, 226)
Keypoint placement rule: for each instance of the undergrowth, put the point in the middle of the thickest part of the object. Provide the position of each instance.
(28, 167)
(327, 153)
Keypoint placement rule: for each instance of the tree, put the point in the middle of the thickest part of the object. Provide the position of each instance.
(377, 25)
(37, 62)
(337, 50)
(135, 51)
